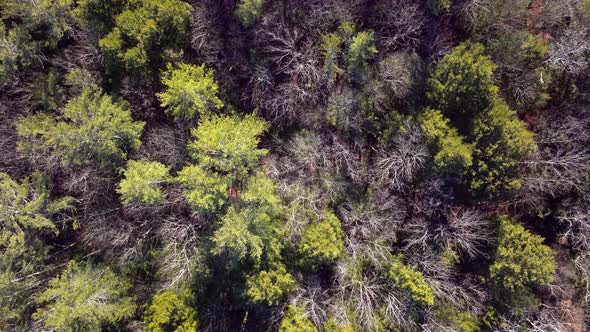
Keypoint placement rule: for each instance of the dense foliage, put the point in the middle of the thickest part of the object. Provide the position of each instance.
(317, 165)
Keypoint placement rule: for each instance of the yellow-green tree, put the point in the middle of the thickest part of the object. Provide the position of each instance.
(521, 259)
(147, 34)
(142, 182)
(93, 128)
(171, 311)
(190, 91)
(321, 243)
(411, 281)
(295, 320)
(84, 298)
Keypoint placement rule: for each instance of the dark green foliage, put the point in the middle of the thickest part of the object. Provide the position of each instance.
(83, 298)
(502, 141)
(439, 7)
(93, 128)
(44, 18)
(171, 311)
(17, 51)
(25, 218)
(98, 14)
(461, 86)
(147, 34)
(248, 11)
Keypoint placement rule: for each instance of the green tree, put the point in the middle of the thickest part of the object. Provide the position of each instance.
(148, 33)
(501, 143)
(25, 219)
(191, 91)
(17, 51)
(142, 180)
(269, 286)
(331, 49)
(461, 85)
(46, 19)
(321, 243)
(252, 228)
(84, 298)
(207, 191)
(295, 320)
(454, 319)
(228, 144)
(93, 127)
(439, 7)
(360, 50)
(411, 281)
(452, 154)
(171, 311)
(521, 260)
(521, 69)
(248, 11)
(98, 15)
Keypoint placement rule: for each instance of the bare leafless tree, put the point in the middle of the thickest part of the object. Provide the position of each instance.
(397, 166)
(486, 17)
(569, 53)
(397, 28)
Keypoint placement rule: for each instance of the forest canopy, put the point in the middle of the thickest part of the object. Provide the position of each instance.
(274, 165)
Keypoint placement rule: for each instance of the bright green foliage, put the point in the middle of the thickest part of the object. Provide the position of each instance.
(249, 11)
(17, 51)
(250, 232)
(141, 183)
(452, 153)
(170, 311)
(322, 242)
(228, 144)
(253, 227)
(148, 33)
(93, 127)
(347, 30)
(25, 209)
(461, 85)
(439, 7)
(331, 48)
(295, 320)
(83, 298)
(522, 260)
(191, 91)
(47, 19)
(270, 286)
(226, 151)
(502, 141)
(78, 79)
(332, 325)
(360, 50)
(98, 14)
(454, 319)
(204, 190)
(411, 281)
